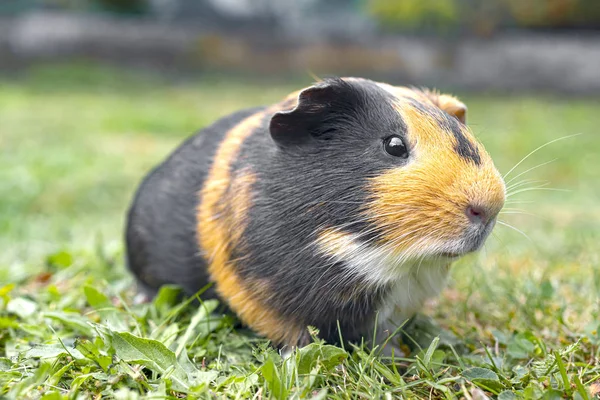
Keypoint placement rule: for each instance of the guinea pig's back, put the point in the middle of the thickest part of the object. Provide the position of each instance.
(162, 243)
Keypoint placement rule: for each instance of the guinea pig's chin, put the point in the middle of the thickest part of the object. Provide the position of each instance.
(472, 240)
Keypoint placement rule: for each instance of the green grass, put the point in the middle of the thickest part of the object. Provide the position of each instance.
(518, 320)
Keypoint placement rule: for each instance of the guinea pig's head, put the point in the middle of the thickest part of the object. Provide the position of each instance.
(392, 168)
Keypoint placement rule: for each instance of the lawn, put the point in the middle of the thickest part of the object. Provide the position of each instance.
(518, 320)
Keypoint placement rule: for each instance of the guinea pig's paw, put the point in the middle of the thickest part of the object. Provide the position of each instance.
(286, 352)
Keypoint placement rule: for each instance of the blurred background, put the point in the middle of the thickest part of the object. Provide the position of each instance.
(93, 93)
(500, 44)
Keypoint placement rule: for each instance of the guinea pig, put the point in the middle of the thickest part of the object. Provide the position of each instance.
(341, 207)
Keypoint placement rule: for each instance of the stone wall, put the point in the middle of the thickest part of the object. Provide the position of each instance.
(567, 62)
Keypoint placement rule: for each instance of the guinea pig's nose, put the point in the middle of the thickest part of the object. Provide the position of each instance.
(477, 214)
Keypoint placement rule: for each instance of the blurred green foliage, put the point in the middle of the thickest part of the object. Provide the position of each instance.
(481, 17)
(415, 13)
(484, 17)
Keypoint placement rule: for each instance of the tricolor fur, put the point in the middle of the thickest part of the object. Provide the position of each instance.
(299, 217)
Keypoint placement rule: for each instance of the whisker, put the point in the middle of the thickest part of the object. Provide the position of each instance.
(514, 201)
(515, 229)
(530, 169)
(537, 149)
(537, 188)
(510, 193)
(524, 213)
(524, 182)
(498, 239)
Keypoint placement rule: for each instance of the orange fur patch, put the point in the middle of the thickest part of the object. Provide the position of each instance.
(225, 200)
(445, 102)
(422, 204)
(239, 201)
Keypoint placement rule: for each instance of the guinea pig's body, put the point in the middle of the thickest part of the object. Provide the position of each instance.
(344, 204)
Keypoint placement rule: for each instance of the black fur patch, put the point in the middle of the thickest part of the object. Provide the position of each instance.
(317, 182)
(464, 147)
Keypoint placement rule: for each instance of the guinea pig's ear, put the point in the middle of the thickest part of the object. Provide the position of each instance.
(316, 106)
(453, 106)
(450, 105)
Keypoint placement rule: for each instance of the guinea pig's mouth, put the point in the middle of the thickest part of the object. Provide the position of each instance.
(470, 243)
(458, 254)
(451, 255)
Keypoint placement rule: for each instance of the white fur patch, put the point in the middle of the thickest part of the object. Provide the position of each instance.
(409, 293)
(412, 280)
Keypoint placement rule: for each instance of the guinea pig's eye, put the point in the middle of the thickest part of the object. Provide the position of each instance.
(395, 146)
